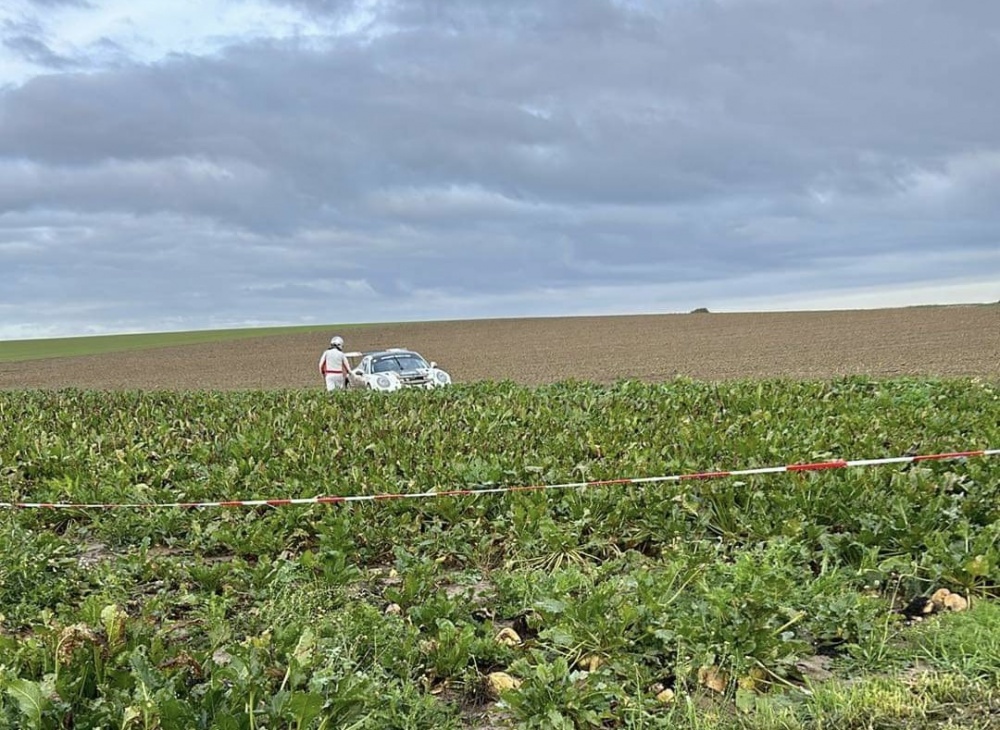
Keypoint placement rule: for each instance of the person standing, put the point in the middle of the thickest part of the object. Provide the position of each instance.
(335, 366)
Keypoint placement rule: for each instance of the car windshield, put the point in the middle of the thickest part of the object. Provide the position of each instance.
(398, 362)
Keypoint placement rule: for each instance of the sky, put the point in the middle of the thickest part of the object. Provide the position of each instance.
(173, 165)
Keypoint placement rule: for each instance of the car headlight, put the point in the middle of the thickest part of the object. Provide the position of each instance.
(383, 382)
(442, 377)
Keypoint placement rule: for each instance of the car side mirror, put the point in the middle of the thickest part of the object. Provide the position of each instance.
(433, 364)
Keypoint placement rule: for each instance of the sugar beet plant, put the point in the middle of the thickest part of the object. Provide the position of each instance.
(694, 604)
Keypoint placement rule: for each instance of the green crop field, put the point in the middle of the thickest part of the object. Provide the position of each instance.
(21, 350)
(774, 601)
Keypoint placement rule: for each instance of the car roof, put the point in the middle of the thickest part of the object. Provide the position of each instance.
(391, 351)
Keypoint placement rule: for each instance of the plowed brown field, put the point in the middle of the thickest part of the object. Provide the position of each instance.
(928, 341)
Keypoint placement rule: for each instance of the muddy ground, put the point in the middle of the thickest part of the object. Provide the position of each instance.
(925, 341)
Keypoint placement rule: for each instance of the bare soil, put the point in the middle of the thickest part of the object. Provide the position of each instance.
(945, 341)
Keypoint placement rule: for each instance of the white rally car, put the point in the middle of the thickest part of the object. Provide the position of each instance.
(396, 368)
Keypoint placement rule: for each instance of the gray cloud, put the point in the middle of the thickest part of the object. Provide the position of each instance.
(27, 39)
(323, 8)
(455, 157)
(35, 51)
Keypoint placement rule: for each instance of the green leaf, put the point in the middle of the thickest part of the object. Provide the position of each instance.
(746, 700)
(29, 698)
(225, 722)
(550, 605)
(560, 637)
(979, 566)
(306, 706)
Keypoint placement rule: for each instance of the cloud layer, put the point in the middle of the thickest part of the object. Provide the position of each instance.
(375, 161)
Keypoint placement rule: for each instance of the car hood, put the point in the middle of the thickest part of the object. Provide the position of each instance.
(405, 374)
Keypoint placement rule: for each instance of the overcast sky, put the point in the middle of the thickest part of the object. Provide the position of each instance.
(189, 164)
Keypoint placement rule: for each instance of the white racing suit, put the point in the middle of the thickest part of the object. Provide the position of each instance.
(334, 366)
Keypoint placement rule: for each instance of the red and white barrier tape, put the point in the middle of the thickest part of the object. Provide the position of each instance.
(816, 466)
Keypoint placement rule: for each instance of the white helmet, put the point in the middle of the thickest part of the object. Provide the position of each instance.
(337, 342)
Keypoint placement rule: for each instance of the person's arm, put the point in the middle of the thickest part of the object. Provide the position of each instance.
(322, 364)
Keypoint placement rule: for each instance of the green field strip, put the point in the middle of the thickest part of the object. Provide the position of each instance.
(22, 350)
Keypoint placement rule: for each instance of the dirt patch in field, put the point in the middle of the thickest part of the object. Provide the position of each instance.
(925, 341)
